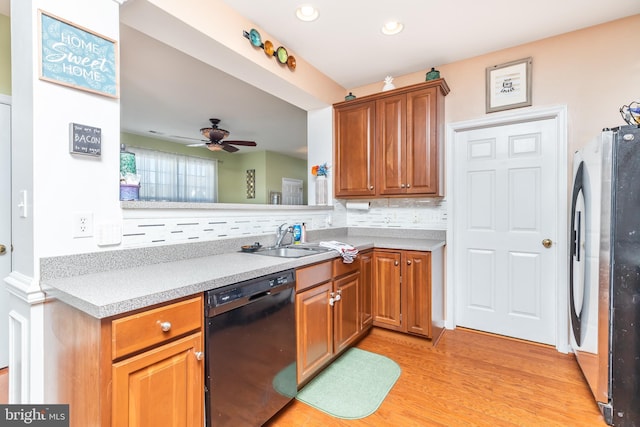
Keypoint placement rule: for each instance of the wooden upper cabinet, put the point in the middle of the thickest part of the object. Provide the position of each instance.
(391, 117)
(403, 132)
(354, 155)
(423, 144)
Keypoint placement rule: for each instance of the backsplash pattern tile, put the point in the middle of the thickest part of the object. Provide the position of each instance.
(403, 213)
(139, 232)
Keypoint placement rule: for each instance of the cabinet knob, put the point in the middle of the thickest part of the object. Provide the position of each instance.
(396, 263)
(408, 185)
(165, 326)
(371, 187)
(402, 185)
(199, 355)
(408, 262)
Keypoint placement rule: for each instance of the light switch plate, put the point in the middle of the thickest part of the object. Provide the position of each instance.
(108, 234)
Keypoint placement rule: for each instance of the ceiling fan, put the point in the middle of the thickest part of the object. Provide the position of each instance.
(215, 139)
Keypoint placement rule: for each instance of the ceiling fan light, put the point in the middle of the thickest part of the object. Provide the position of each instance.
(392, 27)
(214, 147)
(307, 13)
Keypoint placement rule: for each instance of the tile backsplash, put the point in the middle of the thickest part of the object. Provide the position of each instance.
(405, 213)
(141, 230)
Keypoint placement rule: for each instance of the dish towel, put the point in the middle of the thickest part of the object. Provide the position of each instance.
(347, 252)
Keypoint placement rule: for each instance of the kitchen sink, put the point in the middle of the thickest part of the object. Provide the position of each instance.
(292, 251)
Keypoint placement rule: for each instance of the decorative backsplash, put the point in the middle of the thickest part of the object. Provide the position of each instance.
(139, 232)
(408, 213)
(419, 214)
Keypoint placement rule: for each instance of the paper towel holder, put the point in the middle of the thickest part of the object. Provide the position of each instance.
(361, 206)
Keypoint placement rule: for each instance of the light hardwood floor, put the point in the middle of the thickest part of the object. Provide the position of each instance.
(4, 386)
(469, 379)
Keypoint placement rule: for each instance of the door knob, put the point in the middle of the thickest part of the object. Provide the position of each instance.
(3, 249)
(547, 243)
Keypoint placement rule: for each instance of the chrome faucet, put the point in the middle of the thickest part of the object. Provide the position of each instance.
(281, 232)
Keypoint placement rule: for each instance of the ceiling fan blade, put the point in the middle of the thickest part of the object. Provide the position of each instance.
(187, 137)
(229, 148)
(245, 143)
(197, 145)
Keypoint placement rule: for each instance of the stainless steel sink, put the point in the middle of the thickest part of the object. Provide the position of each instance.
(292, 251)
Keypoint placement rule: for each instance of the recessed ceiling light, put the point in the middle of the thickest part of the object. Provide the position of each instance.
(307, 13)
(392, 27)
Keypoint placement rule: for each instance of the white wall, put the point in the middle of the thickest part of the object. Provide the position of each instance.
(57, 182)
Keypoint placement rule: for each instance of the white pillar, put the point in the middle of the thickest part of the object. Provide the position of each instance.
(56, 182)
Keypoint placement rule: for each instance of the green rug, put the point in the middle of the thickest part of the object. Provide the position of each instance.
(353, 386)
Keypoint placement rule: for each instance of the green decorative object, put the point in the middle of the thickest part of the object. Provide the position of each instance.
(127, 161)
(433, 74)
(349, 97)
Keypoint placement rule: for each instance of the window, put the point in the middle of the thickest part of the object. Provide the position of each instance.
(170, 177)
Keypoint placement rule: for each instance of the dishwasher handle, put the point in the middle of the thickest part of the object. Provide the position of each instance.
(259, 296)
(214, 310)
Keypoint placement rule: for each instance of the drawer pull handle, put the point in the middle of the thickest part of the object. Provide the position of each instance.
(165, 326)
(199, 355)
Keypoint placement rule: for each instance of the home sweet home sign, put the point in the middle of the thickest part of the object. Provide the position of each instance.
(77, 57)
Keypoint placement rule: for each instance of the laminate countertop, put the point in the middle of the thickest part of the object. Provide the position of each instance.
(119, 290)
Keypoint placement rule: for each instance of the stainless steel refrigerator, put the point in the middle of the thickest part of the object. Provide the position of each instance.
(604, 270)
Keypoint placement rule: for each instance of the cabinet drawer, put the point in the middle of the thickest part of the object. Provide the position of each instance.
(313, 275)
(142, 330)
(340, 268)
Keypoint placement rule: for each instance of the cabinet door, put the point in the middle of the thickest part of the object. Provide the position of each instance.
(390, 140)
(354, 155)
(346, 325)
(366, 297)
(387, 302)
(417, 278)
(314, 323)
(163, 386)
(422, 144)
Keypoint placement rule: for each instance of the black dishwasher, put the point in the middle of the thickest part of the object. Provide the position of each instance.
(251, 350)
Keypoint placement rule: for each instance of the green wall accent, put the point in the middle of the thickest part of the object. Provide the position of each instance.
(270, 168)
(5, 55)
(281, 166)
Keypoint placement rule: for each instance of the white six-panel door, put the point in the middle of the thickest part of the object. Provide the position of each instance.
(506, 208)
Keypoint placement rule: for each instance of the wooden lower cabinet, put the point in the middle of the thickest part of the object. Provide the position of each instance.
(346, 325)
(366, 289)
(402, 291)
(329, 316)
(314, 327)
(160, 387)
(140, 369)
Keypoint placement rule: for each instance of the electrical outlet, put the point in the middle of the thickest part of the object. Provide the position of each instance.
(82, 224)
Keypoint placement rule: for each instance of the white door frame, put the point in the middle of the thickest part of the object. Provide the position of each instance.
(4, 294)
(554, 112)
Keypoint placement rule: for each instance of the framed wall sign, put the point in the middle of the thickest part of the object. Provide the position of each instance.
(86, 140)
(509, 85)
(77, 57)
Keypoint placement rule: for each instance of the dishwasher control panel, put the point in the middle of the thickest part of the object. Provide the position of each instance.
(249, 288)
